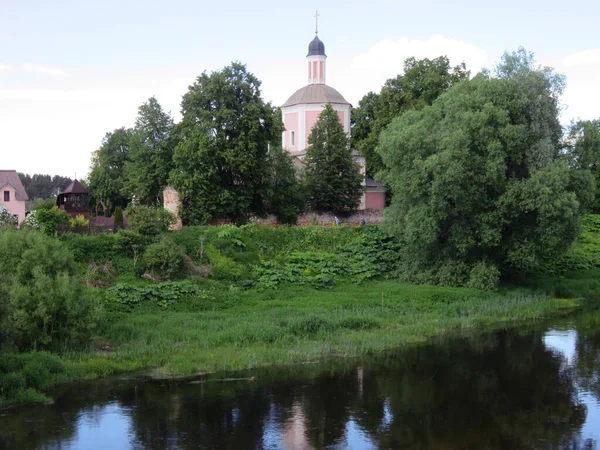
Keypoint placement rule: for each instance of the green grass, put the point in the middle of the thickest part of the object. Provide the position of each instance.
(248, 329)
(233, 329)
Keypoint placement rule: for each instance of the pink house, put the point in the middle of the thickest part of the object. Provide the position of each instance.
(12, 193)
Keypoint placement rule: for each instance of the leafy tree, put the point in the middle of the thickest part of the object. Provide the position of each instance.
(583, 151)
(150, 154)
(478, 187)
(333, 181)
(107, 175)
(220, 163)
(422, 82)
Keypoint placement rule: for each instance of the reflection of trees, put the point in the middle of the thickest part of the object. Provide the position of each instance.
(587, 353)
(491, 391)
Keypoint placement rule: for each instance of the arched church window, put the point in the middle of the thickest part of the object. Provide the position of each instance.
(292, 138)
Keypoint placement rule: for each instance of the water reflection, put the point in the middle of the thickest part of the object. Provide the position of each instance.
(525, 388)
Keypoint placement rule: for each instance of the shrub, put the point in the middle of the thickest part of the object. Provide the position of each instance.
(31, 222)
(7, 219)
(165, 258)
(51, 220)
(150, 221)
(78, 223)
(118, 218)
(484, 276)
(44, 304)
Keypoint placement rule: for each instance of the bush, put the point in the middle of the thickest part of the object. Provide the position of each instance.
(165, 259)
(51, 220)
(44, 305)
(31, 222)
(79, 224)
(149, 221)
(7, 219)
(118, 218)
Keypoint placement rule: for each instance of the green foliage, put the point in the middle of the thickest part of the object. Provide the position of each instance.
(316, 269)
(423, 81)
(7, 219)
(333, 181)
(149, 221)
(165, 259)
(107, 174)
(118, 218)
(49, 310)
(220, 162)
(50, 220)
(79, 222)
(45, 203)
(478, 189)
(123, 297)
(287, 197)
(44, 188)
(583, 152)
(151, 154)
(44, 304)
(584, 254)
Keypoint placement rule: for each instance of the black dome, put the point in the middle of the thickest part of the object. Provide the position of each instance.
(316, 47)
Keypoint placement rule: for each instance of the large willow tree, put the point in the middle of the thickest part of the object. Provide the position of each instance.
(479, 186)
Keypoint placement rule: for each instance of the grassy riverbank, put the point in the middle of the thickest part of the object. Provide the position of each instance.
(289, 325)
(257, 296)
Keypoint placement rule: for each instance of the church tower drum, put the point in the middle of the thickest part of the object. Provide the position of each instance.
(301, 111)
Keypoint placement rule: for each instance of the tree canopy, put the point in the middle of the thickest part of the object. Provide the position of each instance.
(40, 186)
(421, 83)
(107, 175)
(478, 187)
(583, 152)
(333, 181)
(220, 163)
(150, 154)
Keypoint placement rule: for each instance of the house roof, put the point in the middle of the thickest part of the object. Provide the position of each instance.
(11, 177)
(316, 93)
(372, 183)
(75, 188)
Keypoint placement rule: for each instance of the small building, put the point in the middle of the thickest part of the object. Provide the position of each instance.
(75, 200)
(12, 193)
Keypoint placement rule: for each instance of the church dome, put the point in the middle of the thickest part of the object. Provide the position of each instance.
(316, 47)
(316, 93)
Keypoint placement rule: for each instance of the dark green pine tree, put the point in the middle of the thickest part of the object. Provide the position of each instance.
(333, 180)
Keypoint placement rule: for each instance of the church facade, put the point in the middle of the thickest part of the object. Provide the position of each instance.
(301, 111)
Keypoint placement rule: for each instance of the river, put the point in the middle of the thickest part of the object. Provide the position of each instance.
(535, 386)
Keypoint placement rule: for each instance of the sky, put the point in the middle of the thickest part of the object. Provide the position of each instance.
(71, 71)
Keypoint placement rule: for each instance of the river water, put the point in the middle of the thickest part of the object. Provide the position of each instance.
(532, 387)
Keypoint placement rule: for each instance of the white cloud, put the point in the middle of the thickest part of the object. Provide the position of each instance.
(582, 94)
(389, 55)
(44, 70)
(585, 57)
(4, 68)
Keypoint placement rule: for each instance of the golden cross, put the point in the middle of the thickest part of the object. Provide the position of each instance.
(316, 22)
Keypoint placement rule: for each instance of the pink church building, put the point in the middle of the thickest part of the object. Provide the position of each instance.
(301, 111)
